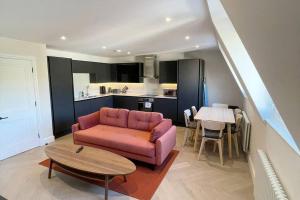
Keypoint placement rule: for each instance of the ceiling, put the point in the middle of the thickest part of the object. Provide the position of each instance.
(138, 26)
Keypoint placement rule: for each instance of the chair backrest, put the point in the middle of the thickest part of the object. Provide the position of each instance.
(219, 105)
(238, 120)
(237, 111)
(212, 125)
(187, 115)
(194, 110)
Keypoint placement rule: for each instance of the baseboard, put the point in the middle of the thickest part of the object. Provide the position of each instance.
(47, 140)
(251, 166)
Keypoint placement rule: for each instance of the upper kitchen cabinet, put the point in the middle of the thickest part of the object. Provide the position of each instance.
(99, 72)
(61, 87)
(168, 71)
(127, 72)
(189, 86)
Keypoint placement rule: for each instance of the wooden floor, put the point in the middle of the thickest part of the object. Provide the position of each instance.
(22, 178)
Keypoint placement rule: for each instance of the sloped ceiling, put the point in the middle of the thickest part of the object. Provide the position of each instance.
(270, 32)
(137, 26)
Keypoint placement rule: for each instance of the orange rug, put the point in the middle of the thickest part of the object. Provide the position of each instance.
(141, 184)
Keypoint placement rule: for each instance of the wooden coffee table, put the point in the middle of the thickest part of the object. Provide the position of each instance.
(88, 162)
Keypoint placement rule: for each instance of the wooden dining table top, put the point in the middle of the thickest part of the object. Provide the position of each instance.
(215, 114)
(91, 160)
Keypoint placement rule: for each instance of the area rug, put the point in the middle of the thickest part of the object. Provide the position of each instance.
(141, 184)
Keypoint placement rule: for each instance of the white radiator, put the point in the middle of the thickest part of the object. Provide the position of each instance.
(267, 185)
(245, 131)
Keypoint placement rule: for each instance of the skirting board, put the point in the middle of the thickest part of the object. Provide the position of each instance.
(47, 140)
(251, 167)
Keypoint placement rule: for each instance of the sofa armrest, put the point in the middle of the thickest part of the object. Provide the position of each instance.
(75, 127)
(89, 120)
(160, 129)
(165, 144)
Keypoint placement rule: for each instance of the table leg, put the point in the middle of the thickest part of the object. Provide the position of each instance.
(50, 169)
(197, 135)
(106, 187)
(229, 140)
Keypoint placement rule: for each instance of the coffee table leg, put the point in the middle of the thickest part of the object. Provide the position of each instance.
(50, 169)
(106, 187)
(125, 178)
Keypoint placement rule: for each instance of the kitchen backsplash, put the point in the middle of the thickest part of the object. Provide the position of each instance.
(150, 86)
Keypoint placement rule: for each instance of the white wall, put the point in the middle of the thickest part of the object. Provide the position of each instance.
(38, 52)
(284, 159)
(221, 85)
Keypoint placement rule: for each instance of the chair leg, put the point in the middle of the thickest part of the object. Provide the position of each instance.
(236, 145)
(220, 151)
(202, 146)
(186, 132)
(215, 146)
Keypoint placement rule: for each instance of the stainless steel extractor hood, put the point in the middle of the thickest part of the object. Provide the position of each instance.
(150, 66)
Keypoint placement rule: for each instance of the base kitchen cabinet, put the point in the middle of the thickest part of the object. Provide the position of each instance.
(130, 103)
(168, 107)
(85, 107)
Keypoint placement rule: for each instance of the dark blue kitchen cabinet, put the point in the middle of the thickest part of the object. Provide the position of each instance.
(127, 102)
(168, 71)
(189, 86)
(166, 106)
(61, 89)
(88, 106)
(99, 72)
(127, 72)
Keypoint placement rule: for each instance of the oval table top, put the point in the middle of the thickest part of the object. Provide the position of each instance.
(91, 160)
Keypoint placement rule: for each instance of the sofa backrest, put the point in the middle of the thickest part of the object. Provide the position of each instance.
(114, 117)
(145, 121)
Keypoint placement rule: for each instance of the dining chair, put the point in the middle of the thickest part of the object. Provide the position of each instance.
(190, 125)
(212, 130)
(219, 105)
(236, 131)
(194, 110)
(237, 111)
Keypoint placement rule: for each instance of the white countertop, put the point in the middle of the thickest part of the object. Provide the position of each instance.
(122, 94)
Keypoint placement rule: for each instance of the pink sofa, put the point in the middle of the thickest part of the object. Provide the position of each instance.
(138, 135)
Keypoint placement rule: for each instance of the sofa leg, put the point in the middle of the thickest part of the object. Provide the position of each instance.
(153, 167)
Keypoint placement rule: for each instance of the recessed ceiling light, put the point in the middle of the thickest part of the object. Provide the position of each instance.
(168, 19)
(103, 47)
(63, 37)
(128, 52)
(118, 50)
(197, 46)
(187, 37)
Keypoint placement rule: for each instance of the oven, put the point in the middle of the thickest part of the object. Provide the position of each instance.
(146, 104)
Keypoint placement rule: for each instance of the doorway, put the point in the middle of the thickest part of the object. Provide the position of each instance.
(18, 111)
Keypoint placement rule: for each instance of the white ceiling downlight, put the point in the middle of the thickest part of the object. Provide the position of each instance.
(63, 37)
(103, 47)
(168, 19)
(187, 37)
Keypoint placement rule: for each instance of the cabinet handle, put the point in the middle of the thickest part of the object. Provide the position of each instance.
(1, 118)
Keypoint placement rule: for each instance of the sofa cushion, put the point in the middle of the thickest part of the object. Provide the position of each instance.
(145, 121)
(114, 117)
(88, 121)
(124, 139)
(160, 129)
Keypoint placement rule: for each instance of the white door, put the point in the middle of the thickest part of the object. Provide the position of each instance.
(18, 120)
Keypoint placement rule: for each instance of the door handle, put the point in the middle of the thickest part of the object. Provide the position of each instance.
(1, 118)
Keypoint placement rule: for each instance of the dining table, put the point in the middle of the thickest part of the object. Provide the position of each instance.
(215, 114)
